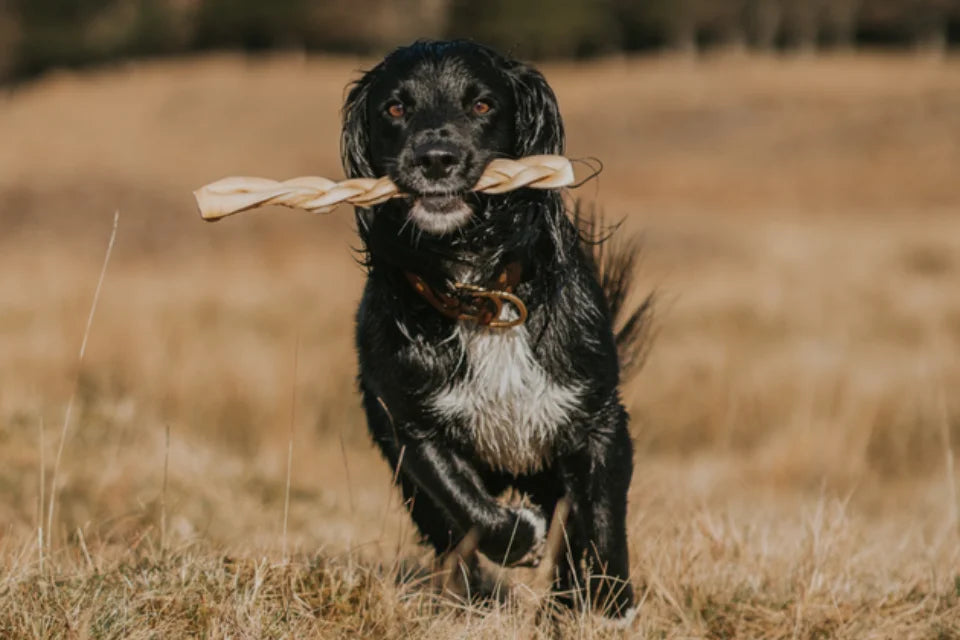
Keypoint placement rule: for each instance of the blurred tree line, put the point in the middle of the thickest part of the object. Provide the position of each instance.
(39, 34)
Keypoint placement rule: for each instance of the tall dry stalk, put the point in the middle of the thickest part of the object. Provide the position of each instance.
(76, 382)
(954, 508)
(163, 493)
(293, 418)
(43, 471)
(346, 470)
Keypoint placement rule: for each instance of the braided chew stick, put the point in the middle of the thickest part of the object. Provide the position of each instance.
(319, 195)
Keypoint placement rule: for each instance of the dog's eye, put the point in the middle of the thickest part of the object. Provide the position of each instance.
(482, 107)
(395, 110)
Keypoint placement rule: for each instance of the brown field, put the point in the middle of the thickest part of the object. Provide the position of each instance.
(795, 424)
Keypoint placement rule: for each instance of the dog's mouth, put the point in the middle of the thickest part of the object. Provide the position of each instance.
(439, 213)
(439, 203)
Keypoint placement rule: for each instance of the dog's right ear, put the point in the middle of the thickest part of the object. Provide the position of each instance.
(539, 127)
(355, 135)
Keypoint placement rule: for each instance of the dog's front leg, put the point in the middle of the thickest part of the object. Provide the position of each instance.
(506, 534)
(596, 478)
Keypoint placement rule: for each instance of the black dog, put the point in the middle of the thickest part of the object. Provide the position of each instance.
(487, 354)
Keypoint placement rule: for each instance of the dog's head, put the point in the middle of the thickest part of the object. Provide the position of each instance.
(433, 114)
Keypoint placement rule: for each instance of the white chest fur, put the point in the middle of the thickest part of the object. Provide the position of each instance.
(507, 402)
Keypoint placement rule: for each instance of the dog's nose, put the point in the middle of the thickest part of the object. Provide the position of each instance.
(436, 160)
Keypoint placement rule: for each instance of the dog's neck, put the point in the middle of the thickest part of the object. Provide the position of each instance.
(505, 230)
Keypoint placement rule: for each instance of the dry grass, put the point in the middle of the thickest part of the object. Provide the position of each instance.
(794, 424)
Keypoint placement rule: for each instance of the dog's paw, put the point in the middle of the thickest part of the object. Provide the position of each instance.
(535, 537)
(617, 623)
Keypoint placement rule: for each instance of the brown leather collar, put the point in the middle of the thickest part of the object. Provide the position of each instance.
(483, 305)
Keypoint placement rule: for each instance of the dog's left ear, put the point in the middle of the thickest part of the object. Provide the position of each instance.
(355, 136)
(539, 128)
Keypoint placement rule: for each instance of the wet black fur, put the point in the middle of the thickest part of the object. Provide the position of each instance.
(406, 351)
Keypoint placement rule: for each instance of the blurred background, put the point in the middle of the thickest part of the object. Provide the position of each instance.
(38, 34)
(791, 165)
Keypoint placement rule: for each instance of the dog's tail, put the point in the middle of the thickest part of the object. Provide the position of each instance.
(615, 258)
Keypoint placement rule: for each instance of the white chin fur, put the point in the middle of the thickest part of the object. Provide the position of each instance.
(440, 223)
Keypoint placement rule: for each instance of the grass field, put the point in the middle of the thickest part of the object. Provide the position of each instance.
(795, 424)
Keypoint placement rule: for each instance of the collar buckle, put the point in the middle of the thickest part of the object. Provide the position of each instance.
(481, 305)
(484, 306)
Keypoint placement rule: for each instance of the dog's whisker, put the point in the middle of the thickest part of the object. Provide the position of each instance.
(406, 222)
